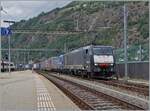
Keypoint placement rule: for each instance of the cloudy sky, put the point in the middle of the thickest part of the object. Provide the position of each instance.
(18, 10)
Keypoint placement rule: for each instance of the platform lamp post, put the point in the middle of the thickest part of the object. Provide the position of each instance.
(9, 56)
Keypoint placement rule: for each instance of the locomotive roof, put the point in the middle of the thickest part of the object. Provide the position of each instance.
(102, 46)
(87, 47)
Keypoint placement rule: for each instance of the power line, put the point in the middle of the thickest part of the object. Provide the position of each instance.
(47, 33)
(34, 31)
(20, 49)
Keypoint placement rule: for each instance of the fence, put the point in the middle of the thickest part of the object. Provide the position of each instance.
(136, 70)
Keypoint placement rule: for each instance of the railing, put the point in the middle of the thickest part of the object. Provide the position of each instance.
(135, 53)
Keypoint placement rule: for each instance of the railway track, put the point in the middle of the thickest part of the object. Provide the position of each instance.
(88, 98)
(137, 88)
(134, 88)
(128, 86)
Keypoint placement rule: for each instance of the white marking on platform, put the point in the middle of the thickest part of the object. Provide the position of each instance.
(44, 101)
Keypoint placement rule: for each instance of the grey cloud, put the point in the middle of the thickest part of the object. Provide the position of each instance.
(18, 10)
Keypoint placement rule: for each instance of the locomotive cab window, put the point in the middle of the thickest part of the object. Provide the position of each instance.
(103, 51)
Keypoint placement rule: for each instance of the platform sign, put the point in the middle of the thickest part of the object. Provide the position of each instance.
(5, 31)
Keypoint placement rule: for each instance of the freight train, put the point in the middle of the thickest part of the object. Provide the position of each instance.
(91, 61)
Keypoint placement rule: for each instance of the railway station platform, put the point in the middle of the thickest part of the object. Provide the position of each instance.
(29, 91)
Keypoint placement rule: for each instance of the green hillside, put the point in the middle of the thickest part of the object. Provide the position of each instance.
(89, 15)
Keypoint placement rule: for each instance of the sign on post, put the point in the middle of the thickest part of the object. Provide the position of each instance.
(5, 31)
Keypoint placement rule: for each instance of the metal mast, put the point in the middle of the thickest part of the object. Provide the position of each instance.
(125, 43)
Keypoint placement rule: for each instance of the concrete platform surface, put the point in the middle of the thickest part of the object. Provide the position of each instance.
(27, 91)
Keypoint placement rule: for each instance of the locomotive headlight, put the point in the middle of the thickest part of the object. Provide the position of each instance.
(96, 64)
(111, 64)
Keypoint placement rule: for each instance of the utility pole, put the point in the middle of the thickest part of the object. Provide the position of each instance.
(77, 27)
(65, 45)
(140, 48)
(9, 57)
(28, 58)
(17, 52)
(125, 43)
(24, 59)
(40, 55)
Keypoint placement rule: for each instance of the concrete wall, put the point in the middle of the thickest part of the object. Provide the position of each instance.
(138, 70)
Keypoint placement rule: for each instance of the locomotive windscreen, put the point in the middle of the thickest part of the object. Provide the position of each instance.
(102, 50)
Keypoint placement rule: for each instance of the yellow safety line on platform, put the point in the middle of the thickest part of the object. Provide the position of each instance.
(44, 101)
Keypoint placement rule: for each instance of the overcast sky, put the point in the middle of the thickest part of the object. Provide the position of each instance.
(18, 10)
